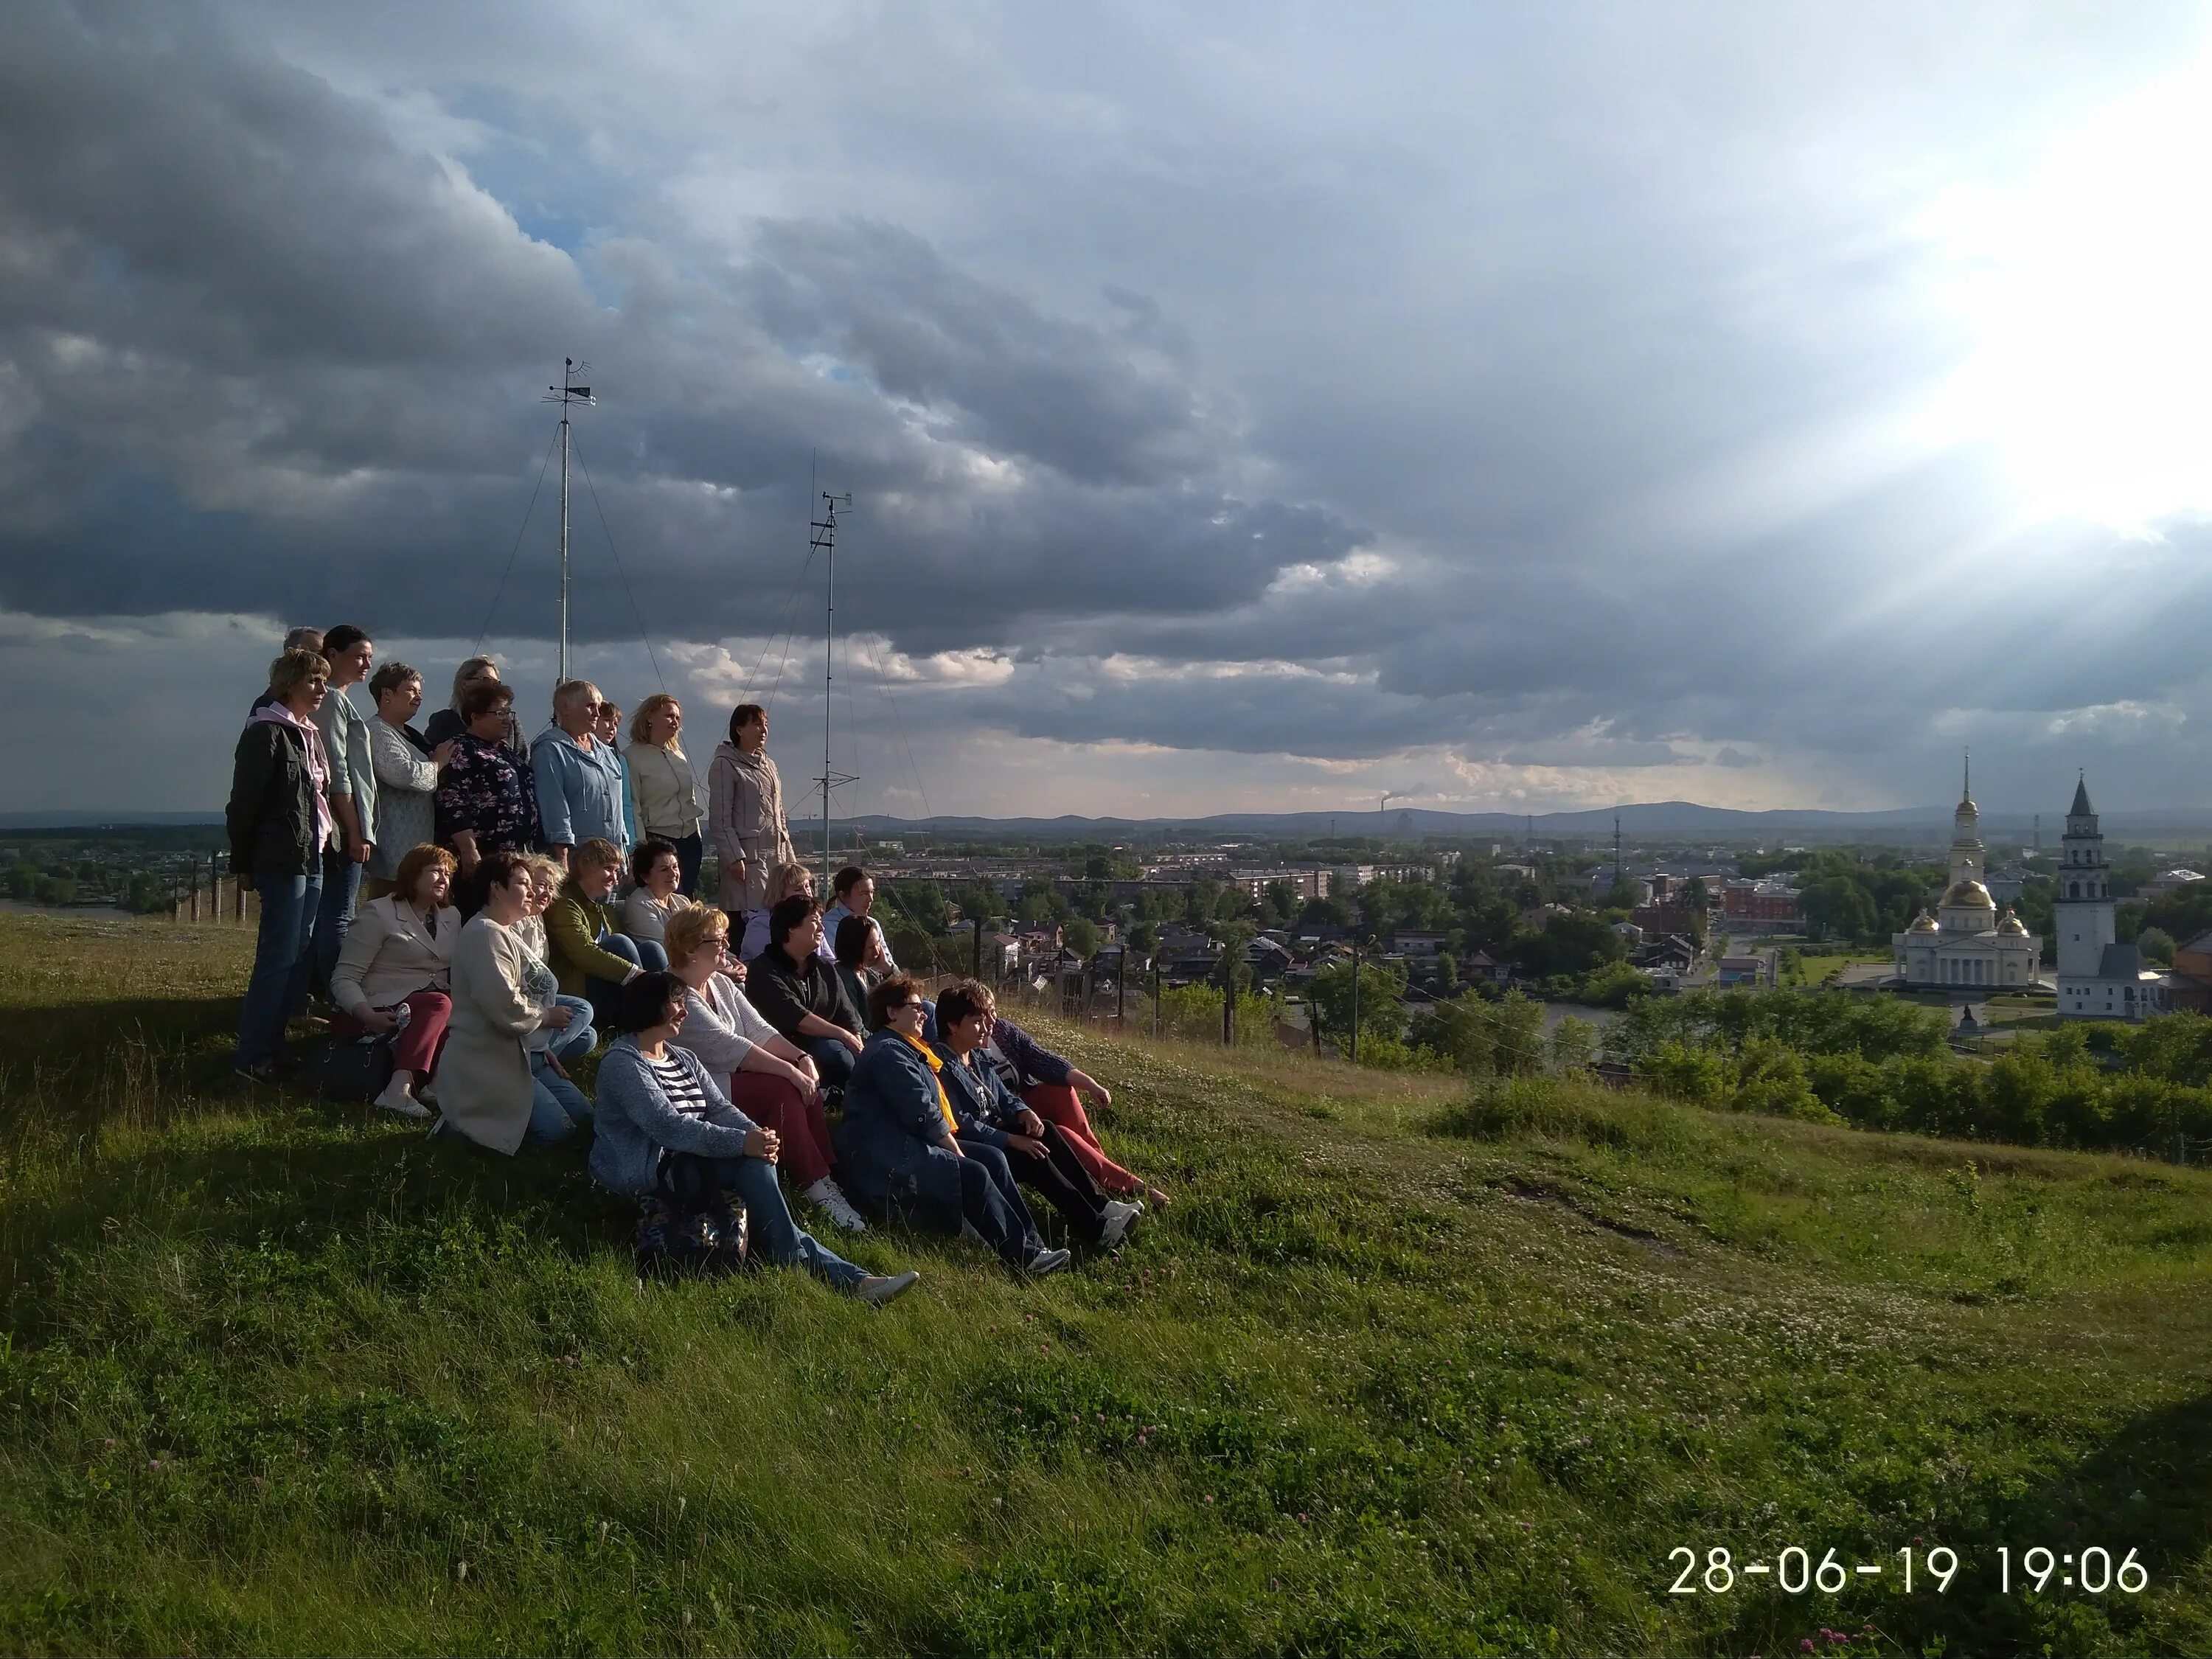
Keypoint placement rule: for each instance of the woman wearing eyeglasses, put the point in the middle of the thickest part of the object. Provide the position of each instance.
(901, 1144)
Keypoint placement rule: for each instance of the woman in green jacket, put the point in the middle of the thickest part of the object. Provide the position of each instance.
(594, 957)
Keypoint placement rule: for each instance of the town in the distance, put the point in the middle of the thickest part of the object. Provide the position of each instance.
(2006, 938)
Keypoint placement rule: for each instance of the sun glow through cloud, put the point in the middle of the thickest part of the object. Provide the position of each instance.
(2087, 290)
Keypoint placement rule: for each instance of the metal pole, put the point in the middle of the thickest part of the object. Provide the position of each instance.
(1121, 985)
(828, 634)
(1354, 1055)
(563, 673)
(1228, 1001)
(1156, 993)
(978, 972)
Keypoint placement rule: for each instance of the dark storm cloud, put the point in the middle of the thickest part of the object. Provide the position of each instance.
(1516, 385)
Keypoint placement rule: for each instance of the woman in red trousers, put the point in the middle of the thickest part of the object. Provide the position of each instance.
(1048, 1085)
(768, 1078)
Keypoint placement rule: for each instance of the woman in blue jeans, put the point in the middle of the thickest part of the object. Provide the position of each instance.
(665, 1126)
(279, 821)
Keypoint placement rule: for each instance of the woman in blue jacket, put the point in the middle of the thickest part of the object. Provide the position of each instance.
(902, 1145)
(663, 1126)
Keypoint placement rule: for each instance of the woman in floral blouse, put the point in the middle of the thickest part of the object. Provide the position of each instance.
(487, 798)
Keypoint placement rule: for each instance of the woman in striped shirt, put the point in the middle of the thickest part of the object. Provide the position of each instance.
(663, 1126)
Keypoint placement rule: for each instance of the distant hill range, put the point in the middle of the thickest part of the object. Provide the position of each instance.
(1665, 820)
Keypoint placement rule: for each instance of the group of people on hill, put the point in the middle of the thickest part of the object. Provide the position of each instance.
(460, 892)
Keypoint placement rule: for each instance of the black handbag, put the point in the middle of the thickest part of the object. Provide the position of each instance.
(347, 1068)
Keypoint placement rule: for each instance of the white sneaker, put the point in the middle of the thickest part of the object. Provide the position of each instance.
(397, 1099)
(876, 1289)
(1119, 1217)
(830, 1198)
(1045, 1262)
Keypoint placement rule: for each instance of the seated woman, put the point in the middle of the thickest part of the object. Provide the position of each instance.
(665, 1126)
(593, 956)
(801, 994)
(861, 964)
(785, 881)
(487, 1088)
(1046, 1084)
(766, 1077)
(1038, 1153)
(551, 1047)
(654, 867)
(902, 1146)
(394, 972)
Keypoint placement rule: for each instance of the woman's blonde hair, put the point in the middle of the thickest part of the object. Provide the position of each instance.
(597, 853)
(469, 666)
(294, 670)
(641, 723)
(690, 928)
(546, 868)
(789, 881)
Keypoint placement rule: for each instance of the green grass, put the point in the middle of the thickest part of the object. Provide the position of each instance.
(1405, 1369)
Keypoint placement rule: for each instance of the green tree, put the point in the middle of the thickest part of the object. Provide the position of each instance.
(1572, 1045)
(1612, 985)
(1081, 935)
(1381, 1005)
(2156, 945)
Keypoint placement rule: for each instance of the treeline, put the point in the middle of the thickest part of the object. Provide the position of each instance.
(1877, 1064)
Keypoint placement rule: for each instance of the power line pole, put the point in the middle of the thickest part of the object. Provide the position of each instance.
(566, 393)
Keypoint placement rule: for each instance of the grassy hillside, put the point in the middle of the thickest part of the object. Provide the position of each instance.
(1402, 1372)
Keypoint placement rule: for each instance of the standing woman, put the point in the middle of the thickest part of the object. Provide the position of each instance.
(745, 808)
(406, 767)
(487, 798)
(662, 782)
(607, 728)
(280, 823)
(450, 722)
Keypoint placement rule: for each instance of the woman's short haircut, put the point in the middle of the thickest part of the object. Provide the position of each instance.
(744, 716)
(847, 879)
(955, 1002)
(546, 868)
(646, 853)
(854, 936)
(414, 863)
(788, 916)
(391, 677)
(500, 869)
(482, 696)
(343, 637)
(597, 853)
(295, 669)
(569, 691)
(645, 1000)
(689, 929)
(471, 666)
(894, 993)
(640, 724)
(789, 880)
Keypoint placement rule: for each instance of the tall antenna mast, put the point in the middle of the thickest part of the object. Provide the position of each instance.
(564, 394)
(825, 542)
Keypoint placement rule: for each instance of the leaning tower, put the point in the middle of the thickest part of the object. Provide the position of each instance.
(2084, 905)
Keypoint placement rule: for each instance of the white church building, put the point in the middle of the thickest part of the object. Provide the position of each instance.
(1967, 945)
(2099, 978)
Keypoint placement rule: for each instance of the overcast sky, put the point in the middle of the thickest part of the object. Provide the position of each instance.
(1514, 406)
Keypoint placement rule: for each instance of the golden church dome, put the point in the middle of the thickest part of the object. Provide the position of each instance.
(1968, 895)
(2011, 925)
(1922, 923)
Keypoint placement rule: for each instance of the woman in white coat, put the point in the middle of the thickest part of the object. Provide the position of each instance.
(406, 767)
(392, 974)
(486, 1087)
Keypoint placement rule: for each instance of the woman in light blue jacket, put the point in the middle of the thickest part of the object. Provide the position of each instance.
(663, 1125)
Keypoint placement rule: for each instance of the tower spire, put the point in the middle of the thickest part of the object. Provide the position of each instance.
(1966, 786)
